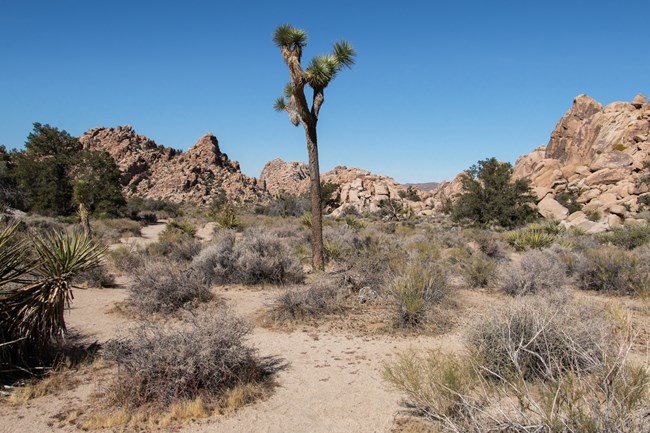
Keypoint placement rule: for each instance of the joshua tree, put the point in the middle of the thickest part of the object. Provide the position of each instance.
(320, 71)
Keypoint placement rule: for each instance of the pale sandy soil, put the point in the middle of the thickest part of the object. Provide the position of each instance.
(332, 382)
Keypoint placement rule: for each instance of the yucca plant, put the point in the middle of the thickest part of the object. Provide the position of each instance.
(531, 238)
(31, 309)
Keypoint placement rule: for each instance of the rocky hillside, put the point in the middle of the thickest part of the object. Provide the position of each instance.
(593, 161)
(359, 189)
(154, 171)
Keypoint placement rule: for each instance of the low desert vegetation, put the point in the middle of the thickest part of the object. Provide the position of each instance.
(164, 286)
(538, 271)
(298, 304)
(610, 269)
(36, 282)
(415, 289)
(204, 364)
(542, 365)
(256, 257)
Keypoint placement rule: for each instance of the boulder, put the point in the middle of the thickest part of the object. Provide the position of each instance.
(551, 208)
(607, 176)
(638, 101)
(613, 159)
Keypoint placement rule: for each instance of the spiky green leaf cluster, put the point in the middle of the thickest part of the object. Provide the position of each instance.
(323, 69)
(32, 311)
(289, 36)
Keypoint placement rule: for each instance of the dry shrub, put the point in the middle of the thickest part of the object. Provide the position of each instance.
(490, 245)
(367, 258)
(96, 277)
(534, 368)
(610, 269)
(435, 383)
(183, 248)
(415, 290)
(479, 270)
(163, 365)
(296, 304)
(164, 286)
(257, 257)
(126, 259)
(538, 271)
(111, 230)
(539, 337)
(453, 395)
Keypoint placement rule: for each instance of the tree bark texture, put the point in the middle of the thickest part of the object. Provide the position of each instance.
(317, 259)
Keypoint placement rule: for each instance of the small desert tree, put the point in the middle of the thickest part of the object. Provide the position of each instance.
(490, 196)
(318, 74)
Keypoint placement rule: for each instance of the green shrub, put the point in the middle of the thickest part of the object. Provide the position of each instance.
(593, 215)
(490, 197)
(415, 289)
(568, 199)
(610, 269)
(529, 238)
(178, 224)
(628, 237)
(227, 217)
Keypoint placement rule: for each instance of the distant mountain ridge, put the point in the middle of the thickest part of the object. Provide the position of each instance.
(425, 186)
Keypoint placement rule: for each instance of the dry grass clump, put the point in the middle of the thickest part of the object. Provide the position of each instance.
(163, 286)
(257, 257)
(610, 269)
(535, 367)
(415, 290)
(300, 304)
(538, 271)
(161, 366)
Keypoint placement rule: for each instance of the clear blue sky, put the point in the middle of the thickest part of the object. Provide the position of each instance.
(437, 85)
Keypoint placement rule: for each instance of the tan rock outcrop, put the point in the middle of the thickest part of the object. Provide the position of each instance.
(279, 176)
(360, 189)
(154, 171)
(597, 154)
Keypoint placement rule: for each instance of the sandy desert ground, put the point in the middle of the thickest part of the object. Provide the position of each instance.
(332, 380)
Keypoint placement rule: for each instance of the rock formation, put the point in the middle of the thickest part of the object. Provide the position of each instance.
(359, 189)
(596, 156)
(291, 177)
(154, 171)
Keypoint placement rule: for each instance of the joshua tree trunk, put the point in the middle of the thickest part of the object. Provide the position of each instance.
(84, 218)
(319, 73)
(317, 259)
